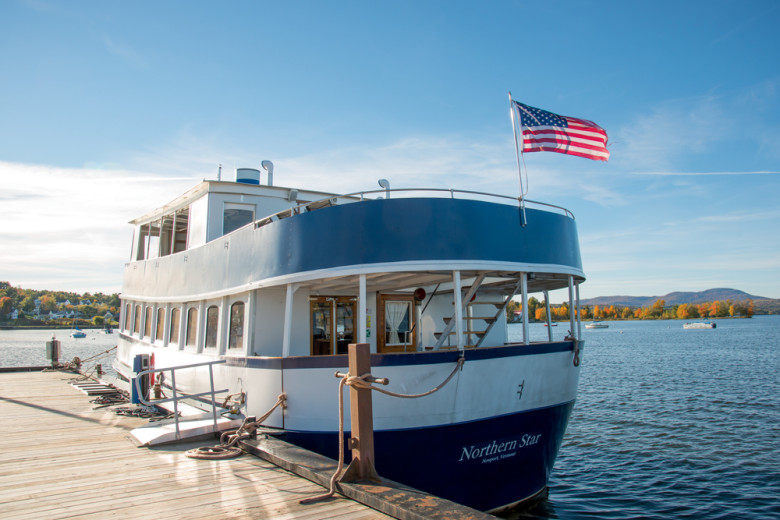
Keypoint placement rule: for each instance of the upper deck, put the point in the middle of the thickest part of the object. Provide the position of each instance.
(302, 236)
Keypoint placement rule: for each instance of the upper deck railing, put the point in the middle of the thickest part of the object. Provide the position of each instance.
(360, 196)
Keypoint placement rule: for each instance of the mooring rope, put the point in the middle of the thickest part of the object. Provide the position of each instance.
(362, 382)
(227, 448)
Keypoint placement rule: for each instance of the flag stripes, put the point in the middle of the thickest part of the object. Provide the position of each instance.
(545, 131)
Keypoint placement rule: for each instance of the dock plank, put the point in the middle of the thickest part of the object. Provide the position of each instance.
(66, 458)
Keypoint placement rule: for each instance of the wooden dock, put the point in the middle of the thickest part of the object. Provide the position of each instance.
(64, 457)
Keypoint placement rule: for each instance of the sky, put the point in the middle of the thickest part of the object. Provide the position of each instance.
(110, 109)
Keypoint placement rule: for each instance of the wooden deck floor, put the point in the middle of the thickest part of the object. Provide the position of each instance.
(62, 458)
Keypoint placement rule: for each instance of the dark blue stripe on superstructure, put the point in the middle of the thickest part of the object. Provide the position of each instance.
(412, 358)
(414, 229)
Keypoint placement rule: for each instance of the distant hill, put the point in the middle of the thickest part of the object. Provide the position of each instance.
(677, 298)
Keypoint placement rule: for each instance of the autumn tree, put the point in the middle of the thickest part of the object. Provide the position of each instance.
(657, 309)
(48, 303)
(5, 305)
(533, 304)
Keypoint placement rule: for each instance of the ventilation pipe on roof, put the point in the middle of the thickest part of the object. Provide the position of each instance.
(269, 167)
(383, 183)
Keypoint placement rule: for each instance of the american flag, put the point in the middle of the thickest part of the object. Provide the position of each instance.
(547, 132)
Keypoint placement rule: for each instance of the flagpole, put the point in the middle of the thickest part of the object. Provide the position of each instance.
(515, 124)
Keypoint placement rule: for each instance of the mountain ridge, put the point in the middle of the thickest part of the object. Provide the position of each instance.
(677, 298)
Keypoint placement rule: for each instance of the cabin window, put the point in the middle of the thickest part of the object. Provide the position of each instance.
(212, 326)
(148, 245)
(137, 320)
(160, 324)
(236, 336)
(173, 336)
(126, 323)
(237, 216)
(396, 323)
(148, 323)
(192, 327)
(332, 324)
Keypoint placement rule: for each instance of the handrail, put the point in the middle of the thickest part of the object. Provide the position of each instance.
(360, 196)
(175, 397)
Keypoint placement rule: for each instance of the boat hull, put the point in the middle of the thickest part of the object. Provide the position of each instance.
(488, 464)
(488, 439)
(700, 325)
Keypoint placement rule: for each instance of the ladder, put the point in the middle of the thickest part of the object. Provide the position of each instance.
(489, 321)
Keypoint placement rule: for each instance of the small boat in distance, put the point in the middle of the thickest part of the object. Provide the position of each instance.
(706, 324)
(76, 332)
(596, 325)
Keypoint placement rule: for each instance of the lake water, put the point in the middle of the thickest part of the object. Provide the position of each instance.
(669, 423)
(23, 347)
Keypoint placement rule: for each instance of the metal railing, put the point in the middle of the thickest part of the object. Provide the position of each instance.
(176, 397)
(360, 196)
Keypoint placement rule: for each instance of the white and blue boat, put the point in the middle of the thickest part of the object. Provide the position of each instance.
(76, 332)
(706, 324)
(272, 283)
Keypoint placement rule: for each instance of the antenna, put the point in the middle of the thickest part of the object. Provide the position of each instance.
(384, 183)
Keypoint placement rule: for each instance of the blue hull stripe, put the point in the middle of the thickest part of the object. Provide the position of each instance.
(409, 359)
(483, 464)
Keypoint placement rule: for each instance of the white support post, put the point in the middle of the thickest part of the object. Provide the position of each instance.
(159, 237)
(524, 301)
(173, 234)
(579, 314)
(182, 326)
(288, 310)
(147, 256)
(458, 308)
(224, 327)
(571, 308)
(549, 318)
(166, 325)
(362, 302)
(201, 334)
(469, 315)
(249, 323)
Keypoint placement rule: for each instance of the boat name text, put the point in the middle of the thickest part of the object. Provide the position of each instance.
(494, 450)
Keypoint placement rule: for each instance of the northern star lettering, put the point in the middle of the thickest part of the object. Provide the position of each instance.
(480, 451)
(474, 452)
(529, 440)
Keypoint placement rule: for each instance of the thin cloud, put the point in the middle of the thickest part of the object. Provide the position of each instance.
(693, 174)
(740, 217)
(672, 130)
(125, 52)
